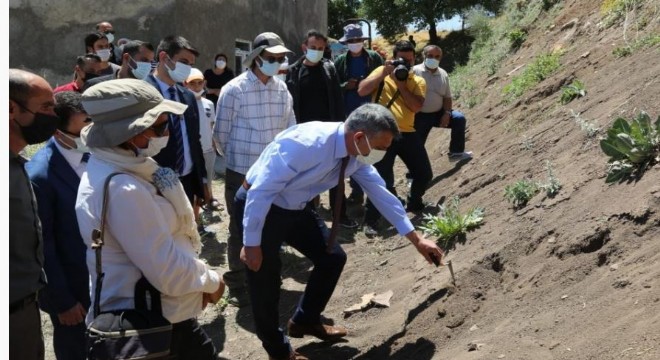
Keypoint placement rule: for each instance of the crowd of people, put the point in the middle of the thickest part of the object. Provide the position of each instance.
(286, 133)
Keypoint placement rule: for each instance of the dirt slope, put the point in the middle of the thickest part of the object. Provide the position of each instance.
(572, 277)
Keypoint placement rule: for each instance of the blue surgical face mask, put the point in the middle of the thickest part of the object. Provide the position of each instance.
(314, 55)
(180, 72)
(142, 69)
(269, 69)
(431, 63)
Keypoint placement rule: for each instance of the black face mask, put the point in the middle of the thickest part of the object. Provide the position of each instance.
(43, 127)
(90, 76)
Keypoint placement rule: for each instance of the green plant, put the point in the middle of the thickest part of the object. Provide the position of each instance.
(537, 71)
(521, 192)
(585, 125)
(517, 38)
(614, 10)
(574, 90)
(632, 146)
(553, 185)
(645, 42)
(451, 226)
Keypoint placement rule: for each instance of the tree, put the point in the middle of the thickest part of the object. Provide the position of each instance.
(393, 16)
(338, 12)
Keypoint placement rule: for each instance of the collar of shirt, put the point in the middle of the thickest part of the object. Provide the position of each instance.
(165, 89)
(253, 78)
(423, 69)
(71, 156)
(340, 142)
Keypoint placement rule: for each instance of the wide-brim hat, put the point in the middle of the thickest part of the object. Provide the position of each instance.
(121, 109)
(268, 41)
(352, 31)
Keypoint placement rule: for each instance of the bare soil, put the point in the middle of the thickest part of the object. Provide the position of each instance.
(576, 276)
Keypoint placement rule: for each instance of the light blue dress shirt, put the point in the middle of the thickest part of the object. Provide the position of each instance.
(302, 162)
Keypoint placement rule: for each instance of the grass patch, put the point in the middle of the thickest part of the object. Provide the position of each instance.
(542, 67)
(645, 42)
(521, 192)
(451, 226)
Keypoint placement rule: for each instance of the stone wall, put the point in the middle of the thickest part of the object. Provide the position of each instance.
(45, 36)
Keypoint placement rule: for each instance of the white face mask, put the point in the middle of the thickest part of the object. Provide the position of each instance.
(142, 69)
(373, 157)
(104, 54)
(355, 48)
(79, 147)
(314, 56)
(110, 36)
(198, 94)
(180, 72)
(431, 63)
(155, 145)
(220, 64)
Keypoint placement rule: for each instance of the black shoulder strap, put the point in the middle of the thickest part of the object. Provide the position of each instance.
(380, 92)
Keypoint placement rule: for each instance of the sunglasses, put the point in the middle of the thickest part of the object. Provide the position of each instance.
(161, 128)
(273, 59)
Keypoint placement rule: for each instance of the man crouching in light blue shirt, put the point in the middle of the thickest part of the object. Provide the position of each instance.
(300, 163)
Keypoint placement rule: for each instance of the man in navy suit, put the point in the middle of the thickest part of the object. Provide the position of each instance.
(55, 172)
(183, 152)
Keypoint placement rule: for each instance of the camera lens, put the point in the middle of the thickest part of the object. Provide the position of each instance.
(401, 72)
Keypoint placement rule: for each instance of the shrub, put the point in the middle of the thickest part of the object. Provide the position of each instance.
(521, 192)
(632, 147)
(553, 185)
(585, 125)
(645, 42)
(450, 227)
(574, 90)
(537, 71)
(517, 38)
(614, 10)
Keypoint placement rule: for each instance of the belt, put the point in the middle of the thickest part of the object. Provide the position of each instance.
(246, 185)
(22, 303)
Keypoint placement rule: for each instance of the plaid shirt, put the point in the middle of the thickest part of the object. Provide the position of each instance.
(248, 116)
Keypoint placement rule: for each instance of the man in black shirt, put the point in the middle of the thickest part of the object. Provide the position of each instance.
(314, 86)
(32, 120)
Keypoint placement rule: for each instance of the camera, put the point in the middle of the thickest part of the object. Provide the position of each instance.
(401, 69)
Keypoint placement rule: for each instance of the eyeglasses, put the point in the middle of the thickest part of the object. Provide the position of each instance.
(109, 32)
(354, 41)
(273, 59)
(161, 128)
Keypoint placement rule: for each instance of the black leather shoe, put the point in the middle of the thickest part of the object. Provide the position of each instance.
(321, 331)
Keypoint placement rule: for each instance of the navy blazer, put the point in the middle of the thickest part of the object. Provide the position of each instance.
(167, 156)
(56, 188)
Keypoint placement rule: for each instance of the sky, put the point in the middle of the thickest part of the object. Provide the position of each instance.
(451, 24)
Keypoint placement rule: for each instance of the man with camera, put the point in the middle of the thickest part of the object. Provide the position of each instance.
(402, 92)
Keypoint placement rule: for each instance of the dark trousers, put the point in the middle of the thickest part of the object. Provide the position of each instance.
(190, 341)
(69, 342)
(356, 189)
(235, 277)
(26, 342)
(425, 121)
(332, 193)
(410, 149)
(190, 186)
(305, 231)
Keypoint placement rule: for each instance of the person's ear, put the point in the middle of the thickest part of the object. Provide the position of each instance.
(304, 48)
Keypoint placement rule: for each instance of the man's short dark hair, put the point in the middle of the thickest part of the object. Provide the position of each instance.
(219, 55)
(132, 48)
(372, 119)
(173, 44)
(316, 34)
(403, 46)
(67, 103)
(19, 86)
(92, 38)
(147, 45)
(80, 60)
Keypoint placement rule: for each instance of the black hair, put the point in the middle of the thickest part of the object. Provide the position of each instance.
(173, 44)
(403, 46)
(220, 55)
(131, 48)
(317, 34)
(147, 45)
(92, 38)
(80, 60)
(67, 103)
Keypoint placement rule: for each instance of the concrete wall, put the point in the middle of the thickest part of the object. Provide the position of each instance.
(45, 36)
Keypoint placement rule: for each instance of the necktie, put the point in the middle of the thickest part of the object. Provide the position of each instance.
(339, 196)
(175, 121)
(85, 158)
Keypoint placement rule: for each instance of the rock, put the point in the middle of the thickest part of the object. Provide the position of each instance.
(552, 240)
(501, 356)
(614, 267)
(564, 297)
(442, 313)
(474, 327)
(554, 345)
(620, 284)
(569, 24)
(473, 346)
(585, 54)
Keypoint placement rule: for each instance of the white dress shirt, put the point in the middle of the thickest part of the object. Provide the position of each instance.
(74, 158)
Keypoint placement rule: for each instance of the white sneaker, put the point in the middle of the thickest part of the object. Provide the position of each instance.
(460, 156)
